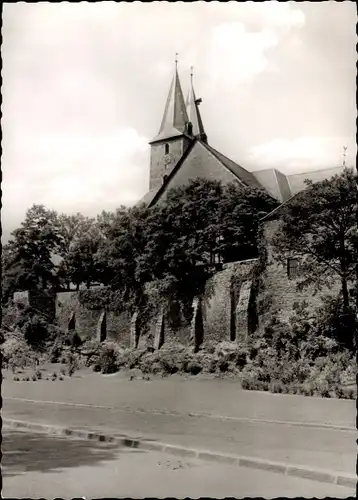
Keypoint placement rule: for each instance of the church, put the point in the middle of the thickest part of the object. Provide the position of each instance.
(239, 298)
(181, 152)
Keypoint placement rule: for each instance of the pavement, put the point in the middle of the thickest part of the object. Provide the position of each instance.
(216, 416)
(39, 466)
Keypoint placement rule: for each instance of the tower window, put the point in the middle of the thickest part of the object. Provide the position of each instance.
(166, 147)
(292, 268)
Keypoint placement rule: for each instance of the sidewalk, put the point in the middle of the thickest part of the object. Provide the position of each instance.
(220, 398)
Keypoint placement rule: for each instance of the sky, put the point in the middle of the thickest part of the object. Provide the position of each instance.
(85, 84)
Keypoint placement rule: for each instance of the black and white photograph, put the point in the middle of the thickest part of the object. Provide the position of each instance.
(179, 265)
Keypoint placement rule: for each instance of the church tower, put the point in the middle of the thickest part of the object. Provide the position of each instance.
(173, 138)
(196, 127)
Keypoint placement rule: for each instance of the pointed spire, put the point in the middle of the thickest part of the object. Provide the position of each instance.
(175, 117)
(192, 105)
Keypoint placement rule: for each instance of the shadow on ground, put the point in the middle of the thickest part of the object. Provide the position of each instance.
(23, 452)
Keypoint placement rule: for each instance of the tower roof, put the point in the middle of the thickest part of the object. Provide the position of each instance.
(175, 116)
(192, 104)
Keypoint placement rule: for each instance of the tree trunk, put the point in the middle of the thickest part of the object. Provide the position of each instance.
(77, 287)
(345, 295)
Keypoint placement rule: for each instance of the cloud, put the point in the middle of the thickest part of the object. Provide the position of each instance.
(84, 87)
(77, 172)
(302, 153)
(239, 50)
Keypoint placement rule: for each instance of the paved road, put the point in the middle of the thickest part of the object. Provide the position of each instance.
(35, 465)
(319, 448)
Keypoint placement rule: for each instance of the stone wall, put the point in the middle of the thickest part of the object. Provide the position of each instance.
(87, 321)
(278, 292)
(223, 313)
(220, 300)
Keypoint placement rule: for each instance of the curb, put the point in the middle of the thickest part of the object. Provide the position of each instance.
(323, 476)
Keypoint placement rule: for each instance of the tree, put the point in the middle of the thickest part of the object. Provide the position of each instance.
(319, 225)
(28, 255)
(122, 243)
(198, 221)
(73, 231)
(81, 266)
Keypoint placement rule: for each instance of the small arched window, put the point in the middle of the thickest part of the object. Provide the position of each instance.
(166, 147)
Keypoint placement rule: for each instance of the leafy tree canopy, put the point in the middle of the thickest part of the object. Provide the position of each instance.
(320, 226)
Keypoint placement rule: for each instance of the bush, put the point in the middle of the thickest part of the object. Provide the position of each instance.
(17, 354)
(223, 365)
(276, 387)
(109, 357)
(91, 349)
(54, 376)
(38, 374)
(194, 368)
(72, 363)
(209, 347)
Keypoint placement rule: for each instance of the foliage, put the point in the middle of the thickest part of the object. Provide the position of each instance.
(72, 363)
(199, 222)
(16, 353)
(319, 226)
(121, 247)
(27, 258)
(109, 357)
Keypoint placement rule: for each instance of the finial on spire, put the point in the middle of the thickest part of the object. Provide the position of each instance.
(344, 156)
(176, 59)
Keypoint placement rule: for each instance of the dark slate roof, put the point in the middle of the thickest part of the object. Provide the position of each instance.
(239, 172)
(175, 116)
(299, 187)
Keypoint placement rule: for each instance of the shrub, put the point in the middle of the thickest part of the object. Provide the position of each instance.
(276, 387)
(60, 377)
(16, 379)
(91, 349)
(96, 368)
(54, 376)
(109, 357)
(35, 329)
(38, 374)
(34, 378)
(17, 354)
(72, 363)
(194, 368)
(242, 355)
(223, 365)
(348, 393)
(209, 347)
